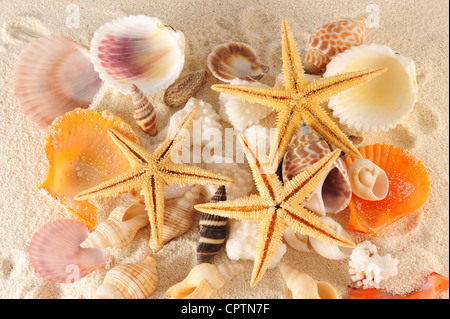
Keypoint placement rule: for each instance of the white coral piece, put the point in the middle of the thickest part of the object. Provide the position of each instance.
(241, 242)
(368, 268)
(239, 113)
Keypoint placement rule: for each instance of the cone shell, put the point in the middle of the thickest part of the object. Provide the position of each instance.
(304, 286)
(120, 228)
(178, 216)
(130, 281)
(434, 285)
(140, 50)
(409, 187)
(332, 194)
(56, 255)
(183, 89)
(368, 181)
(331, 39)
(212, 231)
(233, 60)
(144, 112)
(381, 103)
(75, 165)
(52, 76)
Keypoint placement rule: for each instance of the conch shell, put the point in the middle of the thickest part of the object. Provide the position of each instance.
(368, 180)
(130, 281)
(203, 280)
(120, 228)
(304, 286)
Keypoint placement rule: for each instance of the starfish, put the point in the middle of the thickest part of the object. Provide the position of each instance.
(277, 206)
(151, 172)
(299, 100)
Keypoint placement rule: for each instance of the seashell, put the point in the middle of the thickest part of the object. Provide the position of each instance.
(178, 217)
(173, 191)
(409, 187)
(52, 76)
(304, 286)
(140, 50)
(144, 113)
(203, 280)
(120, 228)
(75, 165)
(368, 181)
(130, 281)
(434, 285)
(331, 39)
(235, 60)
(297, 240)
(56, 255)
(178, 93)
(212, 230)
(382, 103)
(333, 193)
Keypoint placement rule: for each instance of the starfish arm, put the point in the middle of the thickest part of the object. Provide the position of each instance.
(294, 77)
(244, 208)
(272, 97)
(153, 192)
(270, 233)
(301, 186)
(134, 153)
(125, 182)
(303, 221)
(189, 175)
(266, 179)
(174, 138)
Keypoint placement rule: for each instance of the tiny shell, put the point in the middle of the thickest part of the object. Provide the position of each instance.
(368, 181)
(304, 286)
(120, 228)
(56, 255)
(140, 50)
(144, 112)
(52, 76)
(235, 60)
(178, 93)
(130, 281)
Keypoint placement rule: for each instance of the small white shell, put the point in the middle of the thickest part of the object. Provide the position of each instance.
(297, 240)
(368, 180)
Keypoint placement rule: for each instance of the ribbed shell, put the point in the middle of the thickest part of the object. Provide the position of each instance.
(183, 89)
(144, 112)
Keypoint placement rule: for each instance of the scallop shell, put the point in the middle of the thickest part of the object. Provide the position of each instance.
(75, 165)
(144, 113)
(304, 286)
(120, 228)
(56, 255)
(203, 280)
(331, 39)
(233, 60)
(52, 76)
(409, 187)
(381, 103)
(130, 281)
(212, 231)
(178, 216)
(332, 194)
(178, 93)
(140, 50)
(368, 181)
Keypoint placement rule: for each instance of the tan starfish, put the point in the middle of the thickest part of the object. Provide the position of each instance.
(299, 100)
(276, 206)
(151, 172)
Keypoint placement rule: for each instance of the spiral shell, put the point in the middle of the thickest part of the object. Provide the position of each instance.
(178, 93)
(368, 180)
(144, 113)
(130, 281)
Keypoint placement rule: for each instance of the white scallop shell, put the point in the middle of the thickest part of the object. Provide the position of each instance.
(368, 180)
(384, 101)
(140, 50)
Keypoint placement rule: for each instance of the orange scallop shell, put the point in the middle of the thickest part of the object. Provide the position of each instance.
(80, 155)
(409, 187)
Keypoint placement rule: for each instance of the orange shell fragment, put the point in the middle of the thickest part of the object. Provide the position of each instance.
(80, 155)
(409, 187)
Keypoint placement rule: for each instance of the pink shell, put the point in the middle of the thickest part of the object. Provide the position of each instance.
(55, 252)
(331, 39)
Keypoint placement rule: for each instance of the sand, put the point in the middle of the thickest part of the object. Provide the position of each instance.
(417, 29)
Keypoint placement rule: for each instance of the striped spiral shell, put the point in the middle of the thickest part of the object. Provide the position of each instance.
(144, 113)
